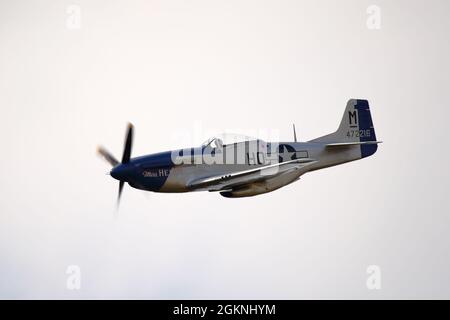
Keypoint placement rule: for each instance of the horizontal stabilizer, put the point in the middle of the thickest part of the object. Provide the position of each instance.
(343, 144)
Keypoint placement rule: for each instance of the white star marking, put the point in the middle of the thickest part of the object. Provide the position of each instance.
(286, 155)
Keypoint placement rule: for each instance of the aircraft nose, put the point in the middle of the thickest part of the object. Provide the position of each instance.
(121, 172)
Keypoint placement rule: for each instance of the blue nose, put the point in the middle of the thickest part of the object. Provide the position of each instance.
(122, 172)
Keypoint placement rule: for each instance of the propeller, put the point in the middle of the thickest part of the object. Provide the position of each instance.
(106, 155)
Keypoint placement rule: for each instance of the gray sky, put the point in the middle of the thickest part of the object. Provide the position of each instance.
(173, 66)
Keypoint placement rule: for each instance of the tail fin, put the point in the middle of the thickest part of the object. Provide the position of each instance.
(356, 126)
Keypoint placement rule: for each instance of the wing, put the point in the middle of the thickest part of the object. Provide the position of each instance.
(227, 181)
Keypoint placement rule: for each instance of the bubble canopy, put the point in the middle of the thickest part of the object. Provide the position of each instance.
(224, 139)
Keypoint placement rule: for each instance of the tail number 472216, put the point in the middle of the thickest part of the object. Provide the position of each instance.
(358, 133)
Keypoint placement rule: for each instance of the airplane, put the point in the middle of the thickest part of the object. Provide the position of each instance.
(245, 166)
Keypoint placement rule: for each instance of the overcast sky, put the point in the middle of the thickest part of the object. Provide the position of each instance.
(71, 77)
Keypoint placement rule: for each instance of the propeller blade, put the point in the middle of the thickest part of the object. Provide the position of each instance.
(105, 154)
(128, 144)
(121, 184)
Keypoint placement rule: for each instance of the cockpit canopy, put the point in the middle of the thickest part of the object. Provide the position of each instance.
(225, 139)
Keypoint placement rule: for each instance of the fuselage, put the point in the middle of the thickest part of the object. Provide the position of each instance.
(163, 172)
